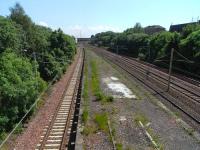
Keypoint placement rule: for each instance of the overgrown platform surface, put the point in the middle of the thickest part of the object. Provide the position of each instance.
(111, 94)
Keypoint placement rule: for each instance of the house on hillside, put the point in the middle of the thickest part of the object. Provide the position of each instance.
(153, 29)
(83, 39)
(179, 27)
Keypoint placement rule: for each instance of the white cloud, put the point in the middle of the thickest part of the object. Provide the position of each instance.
(104, 28)
(42, 23)
(87, 31)
(83, 31)
(76, 27)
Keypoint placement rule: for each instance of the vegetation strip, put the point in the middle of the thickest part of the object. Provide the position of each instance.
(95, 82)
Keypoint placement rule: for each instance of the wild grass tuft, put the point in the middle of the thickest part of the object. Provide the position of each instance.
(89, 129)
(85, 116)
(102, 120)
(119, 146)
(141, 117)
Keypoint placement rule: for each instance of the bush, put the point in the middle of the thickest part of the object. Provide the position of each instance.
(99, 96)
(109, 98)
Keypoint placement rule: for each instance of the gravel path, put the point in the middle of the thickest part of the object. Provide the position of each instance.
(31, 136)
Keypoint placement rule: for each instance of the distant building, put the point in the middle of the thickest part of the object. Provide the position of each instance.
(179, 27)
(153, 29)
(83, 39)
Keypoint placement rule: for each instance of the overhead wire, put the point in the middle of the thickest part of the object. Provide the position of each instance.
(184, 57)
(183, 71)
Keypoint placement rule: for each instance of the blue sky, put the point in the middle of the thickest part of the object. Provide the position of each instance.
(86, 17)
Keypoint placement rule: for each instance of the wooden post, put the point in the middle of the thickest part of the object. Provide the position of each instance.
(170, 69)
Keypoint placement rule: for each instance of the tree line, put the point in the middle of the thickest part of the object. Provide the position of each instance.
(30, 56)
(156, 48)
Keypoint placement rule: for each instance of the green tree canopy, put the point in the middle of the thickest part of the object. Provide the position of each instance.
(161, 44)
(189, 29)
(191, 45)
(11, 35)
(136, 29)
(19, 87)
(19, 16)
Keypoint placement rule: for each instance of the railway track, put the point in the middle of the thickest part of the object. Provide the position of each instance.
(183, 87)
(182, 77)
(186, 96)
(57, 135)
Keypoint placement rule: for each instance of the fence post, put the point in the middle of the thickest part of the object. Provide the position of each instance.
(170, 68)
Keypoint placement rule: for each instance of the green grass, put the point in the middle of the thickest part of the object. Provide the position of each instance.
(141, 117)
(89, 129)
(95, 83)
(190, 131)
(85, 116)
(102, 120)
(109, 98)
(99, 96)
(119, 146)
(95, 77)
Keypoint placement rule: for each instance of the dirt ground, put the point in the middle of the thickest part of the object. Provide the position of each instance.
(125, 112)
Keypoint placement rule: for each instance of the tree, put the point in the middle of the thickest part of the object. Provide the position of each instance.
(38, 39)
(190, 47)
(161, 44)
(11, 35)
(64, 42)
(19, 88)
(19, 16)
(136, 29)
(189, 29)
(50, 67)
(136, 42)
